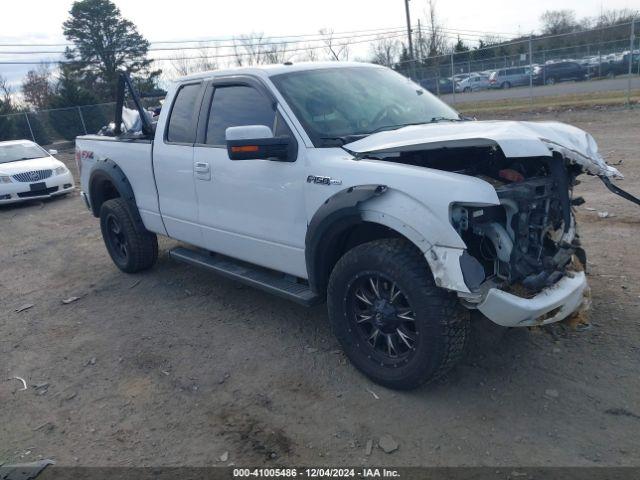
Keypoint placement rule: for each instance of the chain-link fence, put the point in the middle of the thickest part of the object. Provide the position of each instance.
(591, 55)
(60, 125)
(56, 125)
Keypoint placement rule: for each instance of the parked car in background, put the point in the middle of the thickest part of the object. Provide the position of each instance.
(509, 77)
(551, 73)
(28, 171)
(437, 86)
(473, 83)
(620, 65)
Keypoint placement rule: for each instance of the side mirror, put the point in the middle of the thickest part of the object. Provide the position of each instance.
(256, 142)
(53, 152)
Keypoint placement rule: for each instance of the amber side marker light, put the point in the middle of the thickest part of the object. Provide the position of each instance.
(245, 148)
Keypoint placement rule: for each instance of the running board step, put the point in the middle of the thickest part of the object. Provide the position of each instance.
(248, 274)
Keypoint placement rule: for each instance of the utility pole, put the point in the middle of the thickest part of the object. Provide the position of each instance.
(406, 7)
(420, 54)
(531, 68)
(631, 45)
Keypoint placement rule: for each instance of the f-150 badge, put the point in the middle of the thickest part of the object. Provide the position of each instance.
(323, 180)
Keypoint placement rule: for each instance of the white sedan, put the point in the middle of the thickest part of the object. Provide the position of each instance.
(473, 83)
(27, 171)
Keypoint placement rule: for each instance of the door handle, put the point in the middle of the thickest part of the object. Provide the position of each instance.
(202, 167)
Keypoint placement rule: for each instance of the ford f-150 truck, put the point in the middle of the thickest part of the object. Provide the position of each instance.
(349, 183)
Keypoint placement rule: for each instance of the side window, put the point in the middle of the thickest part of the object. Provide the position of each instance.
(181, 127)
(234, 106)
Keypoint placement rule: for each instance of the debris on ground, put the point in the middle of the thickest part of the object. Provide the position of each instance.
(69, 300)
(368, 448)
(91, 361)
(605, 214)
(40, 388)
(24, 307)
(224, 378)
(20, 379)
(621, 412)
(135, 284)
(387, 444)
(71, 396)
(224, 457)
(310, 349)
(373, 393)
(24, 471)
(47, 427)
(551, 393)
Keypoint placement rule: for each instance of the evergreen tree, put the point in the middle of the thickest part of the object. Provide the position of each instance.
(104, 43)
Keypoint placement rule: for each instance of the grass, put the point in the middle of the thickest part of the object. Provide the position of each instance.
(556, 102)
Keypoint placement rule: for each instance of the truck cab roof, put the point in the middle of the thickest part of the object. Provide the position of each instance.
(275, 69)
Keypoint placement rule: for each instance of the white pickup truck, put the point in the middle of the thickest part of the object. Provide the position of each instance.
(350, 183)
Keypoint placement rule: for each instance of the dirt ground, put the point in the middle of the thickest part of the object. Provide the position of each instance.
(177, 366)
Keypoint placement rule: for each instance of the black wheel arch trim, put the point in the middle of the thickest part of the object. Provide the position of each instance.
(108, 170)
(334, 217)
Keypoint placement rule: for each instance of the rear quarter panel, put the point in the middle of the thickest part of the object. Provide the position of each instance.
(134, 157)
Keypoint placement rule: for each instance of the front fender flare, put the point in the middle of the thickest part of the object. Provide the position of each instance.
(366, 203)
(336, 215)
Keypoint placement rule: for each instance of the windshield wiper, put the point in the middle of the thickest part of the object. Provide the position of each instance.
(442, 119)
(385, 128)
(344, 139)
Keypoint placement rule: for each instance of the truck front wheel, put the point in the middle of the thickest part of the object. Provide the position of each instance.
(393, 322)
(131, 247)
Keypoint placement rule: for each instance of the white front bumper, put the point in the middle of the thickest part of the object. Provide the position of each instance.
(14, 189)
(551, 305)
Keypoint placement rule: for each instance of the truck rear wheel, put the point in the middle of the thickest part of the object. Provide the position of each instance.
(131, 247)
(393, 322)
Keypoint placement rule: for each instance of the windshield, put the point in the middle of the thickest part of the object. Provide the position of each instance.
(338, 103)
(20, 151)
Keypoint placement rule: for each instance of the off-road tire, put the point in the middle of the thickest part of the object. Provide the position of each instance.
(442, 323)
(141, 245)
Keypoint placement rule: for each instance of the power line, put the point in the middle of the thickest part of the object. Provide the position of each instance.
(239, 43)
(234, 54)
(219, 39)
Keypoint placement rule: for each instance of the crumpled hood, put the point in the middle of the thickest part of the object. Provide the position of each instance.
(44, 163)
(515, 139)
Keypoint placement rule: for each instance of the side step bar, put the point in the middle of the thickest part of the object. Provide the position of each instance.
(251, 275)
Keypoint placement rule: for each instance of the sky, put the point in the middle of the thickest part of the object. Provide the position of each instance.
(40, 21)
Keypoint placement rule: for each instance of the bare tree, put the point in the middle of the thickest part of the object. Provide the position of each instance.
(385, 51)
(37, 87)
(205, 60)
(612, 17)
(6, 92)
(311, 54)
(436, 40)
(556, 22)
(275, 53)
(337, 51)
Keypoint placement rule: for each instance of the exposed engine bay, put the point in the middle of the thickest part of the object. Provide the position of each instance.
(530, 239)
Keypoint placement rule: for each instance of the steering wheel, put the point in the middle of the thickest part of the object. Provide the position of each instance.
(386, 112)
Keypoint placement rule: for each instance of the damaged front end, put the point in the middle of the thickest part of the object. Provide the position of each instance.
(528, 241)
(527, 248)
(523, 263)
